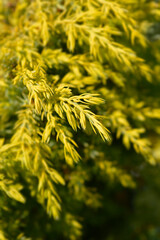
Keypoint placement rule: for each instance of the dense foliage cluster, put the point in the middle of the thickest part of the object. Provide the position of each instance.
(79, 119)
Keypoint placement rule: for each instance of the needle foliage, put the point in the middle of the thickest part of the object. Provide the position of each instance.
(79, 114)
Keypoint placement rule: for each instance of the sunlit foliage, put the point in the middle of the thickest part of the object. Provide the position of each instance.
(71, 70)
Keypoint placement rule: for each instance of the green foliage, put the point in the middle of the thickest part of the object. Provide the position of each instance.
(71, 70)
